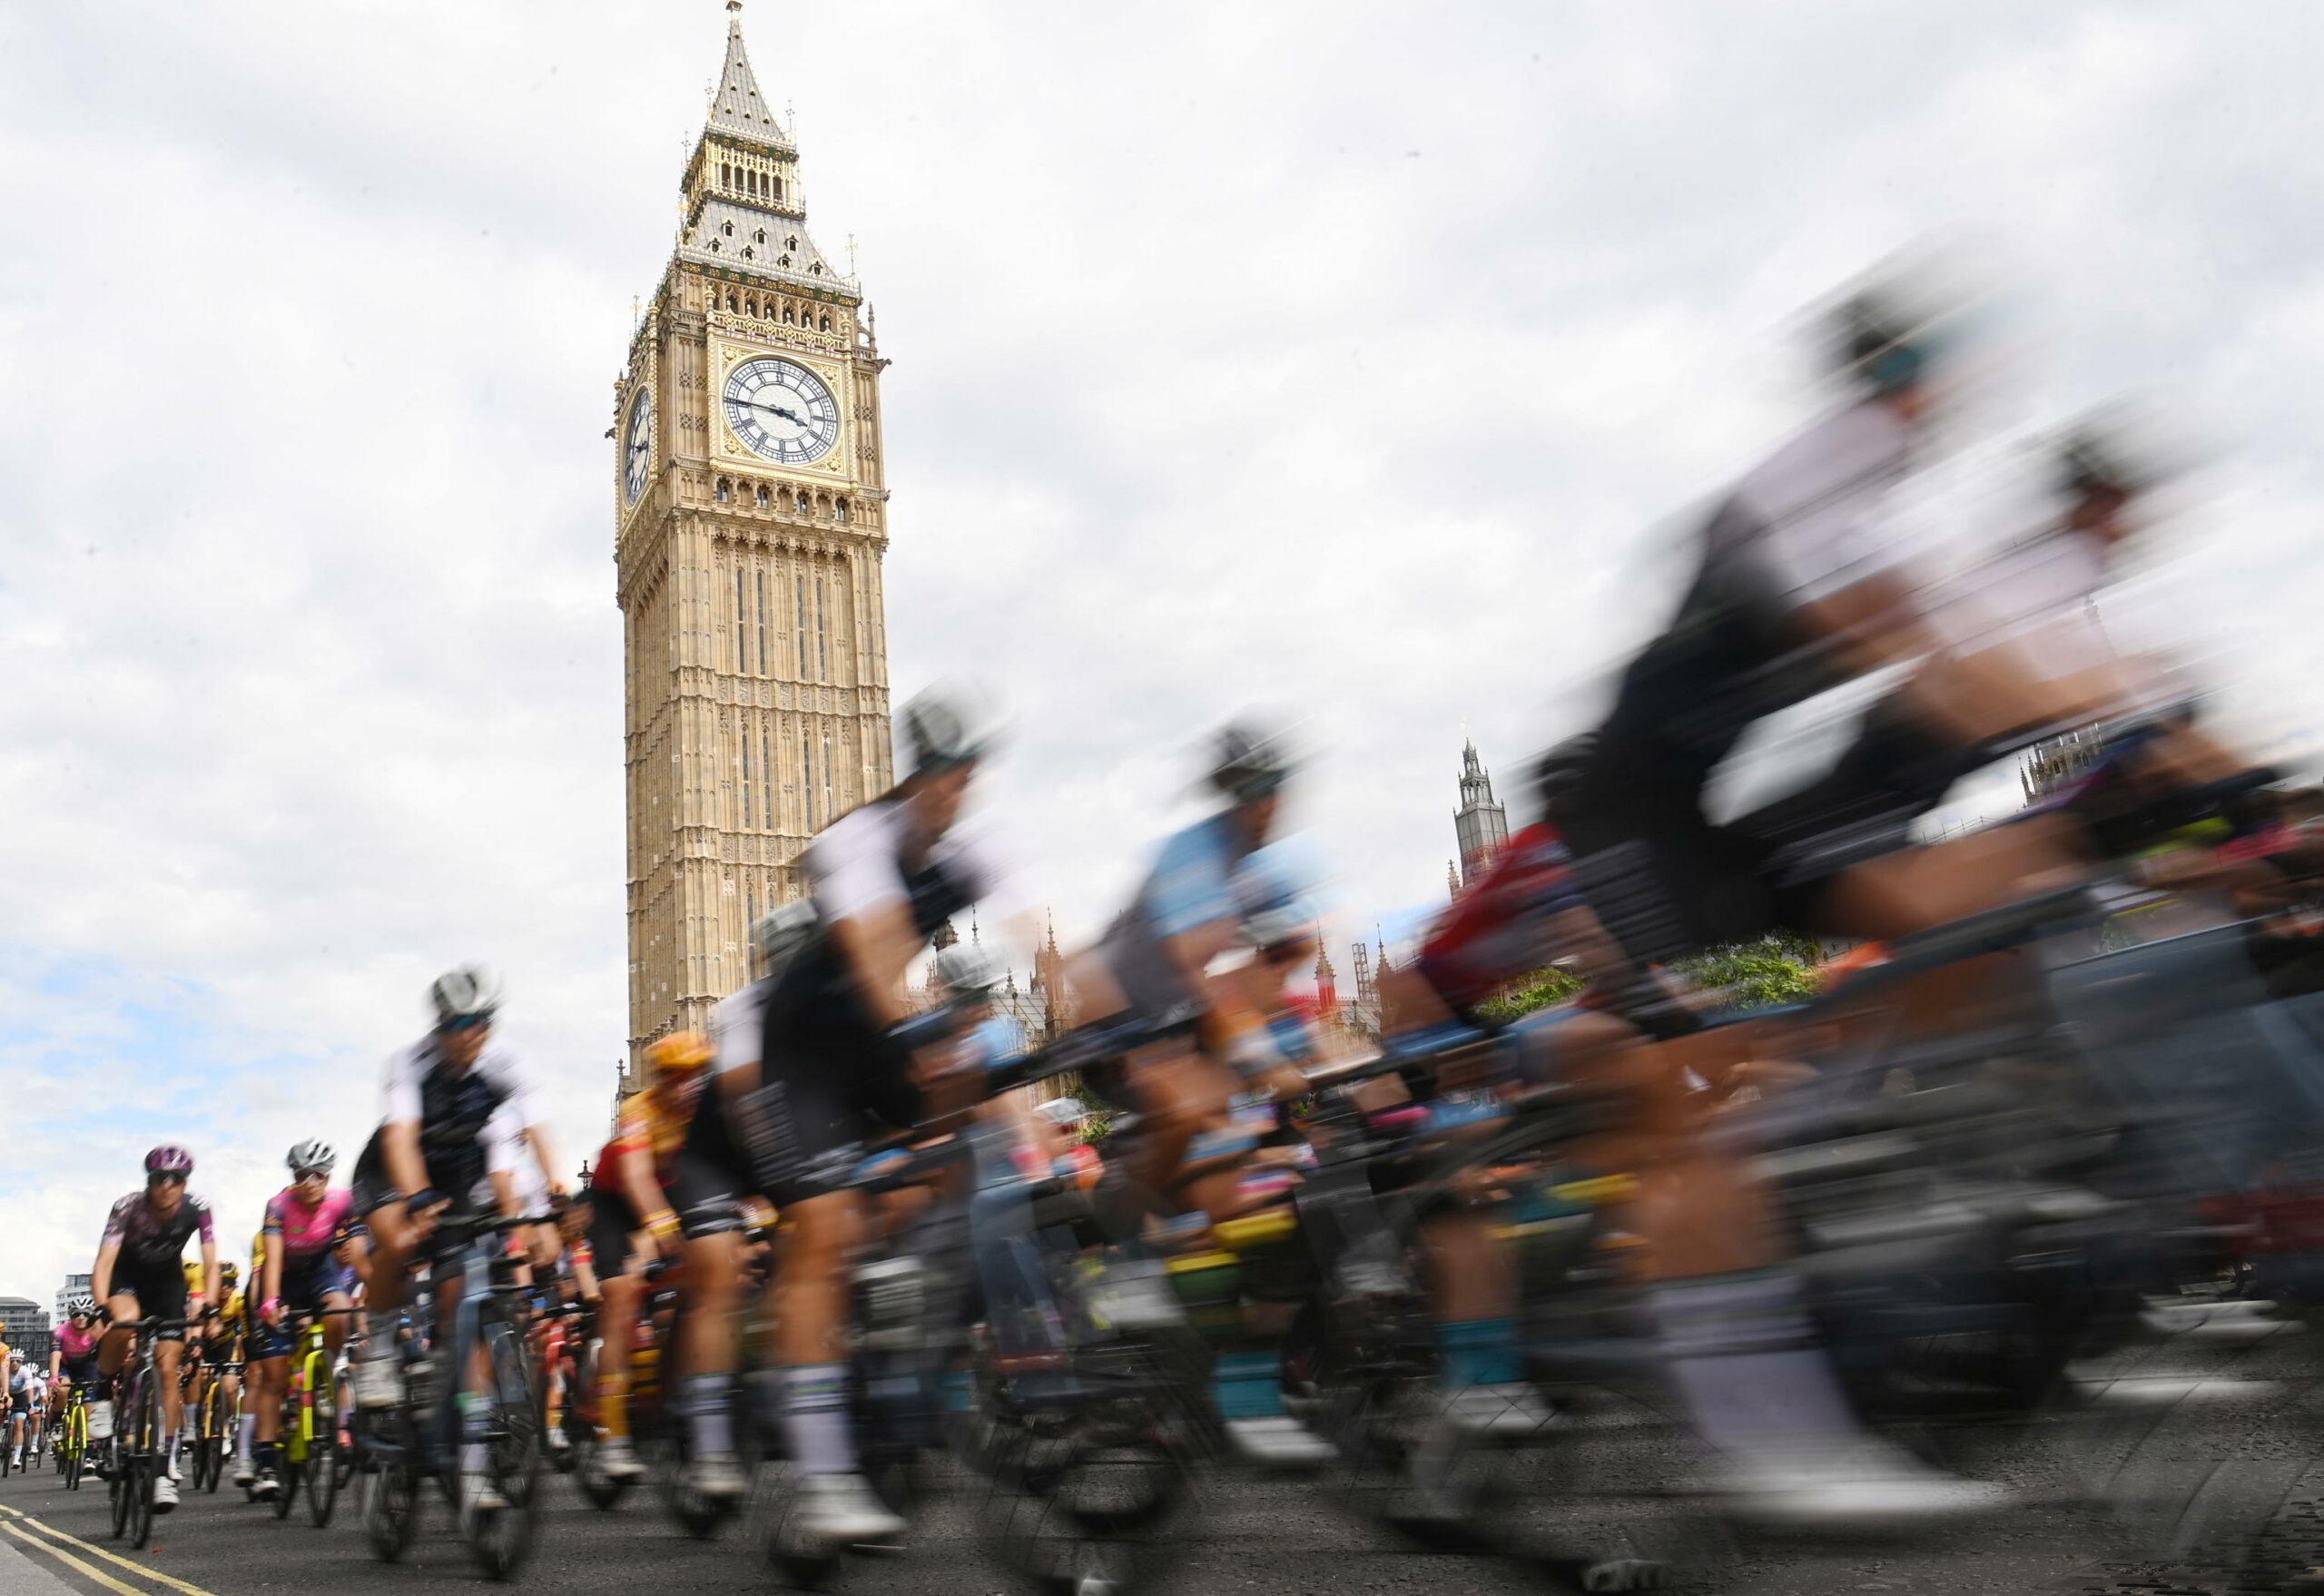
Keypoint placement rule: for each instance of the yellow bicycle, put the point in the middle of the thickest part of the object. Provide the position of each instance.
(72, 1449)
(311, 1448)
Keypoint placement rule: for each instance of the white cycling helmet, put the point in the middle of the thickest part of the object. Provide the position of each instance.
(82, 1304)
(782, 930)
(945, 726)
(471, 993)
(312, 1155)
(966, 970)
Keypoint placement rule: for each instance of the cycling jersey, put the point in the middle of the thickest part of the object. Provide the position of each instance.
(738, 1025)
(150, 1239)
(75, 1344)
(1498, 929)
(1808, 522)
(305, 1233)
(452, 1108)
(1202, 875)
(831, 1078)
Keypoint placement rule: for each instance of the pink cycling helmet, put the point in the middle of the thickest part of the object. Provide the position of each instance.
(169, 1159)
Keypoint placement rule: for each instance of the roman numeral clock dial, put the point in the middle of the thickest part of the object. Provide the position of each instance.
(781, 411)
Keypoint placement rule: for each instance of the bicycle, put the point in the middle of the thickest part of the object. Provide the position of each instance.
(648, 1342)
(214, 1428)
(423, 1436)
(309, 1437)
(72, 1449)
(137, 1435)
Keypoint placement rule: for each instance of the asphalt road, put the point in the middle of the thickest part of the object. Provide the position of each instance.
(2188, 1466)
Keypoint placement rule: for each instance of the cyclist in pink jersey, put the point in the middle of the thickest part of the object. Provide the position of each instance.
(302, 1275)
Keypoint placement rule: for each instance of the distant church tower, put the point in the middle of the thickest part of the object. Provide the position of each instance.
(750, 508)
(1481, 825)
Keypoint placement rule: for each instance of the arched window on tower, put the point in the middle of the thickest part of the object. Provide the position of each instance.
(730, 301)
(746, 255)
(787, 317)
(727, 228)
(824, 322)
(761, 495)
(750, 302)
(726, 490)
(759, 237)
(838, 512)
(792, 242)
(725, 176)
(799, 505)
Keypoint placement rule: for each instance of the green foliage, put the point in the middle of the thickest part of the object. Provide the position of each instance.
(1542, 990)
(1777, 969)
(1095, 1128)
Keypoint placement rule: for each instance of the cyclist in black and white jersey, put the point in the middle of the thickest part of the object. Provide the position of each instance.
(824, 1079)
(431, 1150)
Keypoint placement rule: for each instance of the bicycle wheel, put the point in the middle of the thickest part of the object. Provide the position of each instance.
(290, 1456)
(145, 1464)
(322, 1442)
(387, 1493)
(502, 1540)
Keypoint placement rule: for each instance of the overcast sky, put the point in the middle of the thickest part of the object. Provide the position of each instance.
(1347, 359)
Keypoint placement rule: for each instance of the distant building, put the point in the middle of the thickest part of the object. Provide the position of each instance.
(1481, 825)
(2052, 765)
(74, 1286)
(23, 1324)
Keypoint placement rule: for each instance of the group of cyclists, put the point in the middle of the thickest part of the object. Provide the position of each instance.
(731, 1210)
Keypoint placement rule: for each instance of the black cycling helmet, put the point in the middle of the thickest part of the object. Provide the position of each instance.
(1558, 773)
(1249, 762)
(1878, 343)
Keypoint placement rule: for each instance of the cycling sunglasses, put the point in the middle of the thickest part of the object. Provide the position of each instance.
(468, 1022)
(311, 1174)
(166, 1177)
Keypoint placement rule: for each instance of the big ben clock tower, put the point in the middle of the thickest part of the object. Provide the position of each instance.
(751, 520)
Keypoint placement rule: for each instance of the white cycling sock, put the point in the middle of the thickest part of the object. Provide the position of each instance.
(1745, 1359)
(249, 1430)
(709, 1420)
(169, 1450)
(814, 1419)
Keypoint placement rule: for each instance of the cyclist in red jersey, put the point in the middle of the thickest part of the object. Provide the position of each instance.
(632, 1222)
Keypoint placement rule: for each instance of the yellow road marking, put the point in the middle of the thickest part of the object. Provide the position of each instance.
(135, 1567)
(58, 1552)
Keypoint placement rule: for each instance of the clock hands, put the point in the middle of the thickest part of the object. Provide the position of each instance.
(777, 410)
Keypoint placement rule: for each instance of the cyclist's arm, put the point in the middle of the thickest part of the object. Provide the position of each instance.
(643, 1192)
(210, 1273)
(544, 1149)
(504, 1192)
(101, 1273)
(399, 1148)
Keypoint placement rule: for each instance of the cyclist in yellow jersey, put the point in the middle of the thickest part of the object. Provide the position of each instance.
(219, 1338)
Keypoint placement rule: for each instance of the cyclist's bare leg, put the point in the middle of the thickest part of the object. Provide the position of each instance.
(113, 1351)
(809, 1338)
(393, 1242)
(618, 1297)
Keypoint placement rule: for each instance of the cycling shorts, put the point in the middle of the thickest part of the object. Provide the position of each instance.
(814, 1115)
(612, 1222)
(218, 1345)
(160, 1289)
(80, 1371)
(707, 1177)
(305, 1285)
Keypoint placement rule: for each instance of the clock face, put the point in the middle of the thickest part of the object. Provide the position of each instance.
(782, 411)
(637, 445)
